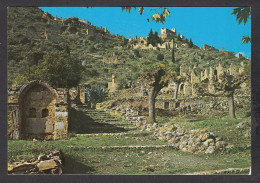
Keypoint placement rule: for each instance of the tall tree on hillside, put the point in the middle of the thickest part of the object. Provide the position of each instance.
(153, 38)
(59, 69)
(190, 43)
(225, 86)
(150, 37)
(154, 82)
(173, 55)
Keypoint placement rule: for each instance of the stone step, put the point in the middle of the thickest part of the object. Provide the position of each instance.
(113, 134)
(110, 127)
(124, 147)
(103, 120)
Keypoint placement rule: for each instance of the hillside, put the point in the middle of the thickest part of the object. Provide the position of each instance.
(33, 33)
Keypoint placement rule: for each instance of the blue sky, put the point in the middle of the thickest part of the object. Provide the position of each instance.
(204, 25)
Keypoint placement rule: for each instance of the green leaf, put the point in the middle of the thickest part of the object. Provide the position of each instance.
(156, 17)
(246, 39)
(166, 12)
(141, 10)
(242, 14)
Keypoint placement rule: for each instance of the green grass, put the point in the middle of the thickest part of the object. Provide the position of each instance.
(128, 161)
(141, 161)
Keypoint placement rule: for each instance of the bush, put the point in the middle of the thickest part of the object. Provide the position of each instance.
(136, 52)
(122, 83)
(160, 57)
(91, 49)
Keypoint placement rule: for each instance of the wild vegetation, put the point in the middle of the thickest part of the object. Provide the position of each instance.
(64, 55)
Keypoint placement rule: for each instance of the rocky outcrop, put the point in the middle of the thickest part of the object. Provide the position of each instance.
(45, 164)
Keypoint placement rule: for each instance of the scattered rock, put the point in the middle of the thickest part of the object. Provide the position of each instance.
(210, 150)
(242, 124)
(209, 142)
(46, 165)
(248, 133)
(208, 135)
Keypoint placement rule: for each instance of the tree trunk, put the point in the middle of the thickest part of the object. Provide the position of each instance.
(77, 98)
(176, 91)
(231, 106)
(151, 104)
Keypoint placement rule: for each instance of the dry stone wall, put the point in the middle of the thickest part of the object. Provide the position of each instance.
(193, 141)
(45, 164)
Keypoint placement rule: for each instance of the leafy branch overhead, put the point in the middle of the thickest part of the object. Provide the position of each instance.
(243, 14)
(157, 17)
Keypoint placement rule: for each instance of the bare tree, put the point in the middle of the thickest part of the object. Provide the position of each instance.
(154, 82)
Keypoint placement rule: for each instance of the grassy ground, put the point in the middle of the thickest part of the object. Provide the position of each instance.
(134, 161)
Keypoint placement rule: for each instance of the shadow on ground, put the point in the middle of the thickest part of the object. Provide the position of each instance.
(80, 123)
(72, 166)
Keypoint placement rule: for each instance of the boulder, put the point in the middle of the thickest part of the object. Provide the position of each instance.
(46, 165)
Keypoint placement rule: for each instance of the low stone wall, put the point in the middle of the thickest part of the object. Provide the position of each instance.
(45, 164)
(194, 141)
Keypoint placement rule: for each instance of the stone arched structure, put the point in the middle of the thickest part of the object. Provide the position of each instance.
(41, 112)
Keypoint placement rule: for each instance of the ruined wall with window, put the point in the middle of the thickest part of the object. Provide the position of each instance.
(36, 110)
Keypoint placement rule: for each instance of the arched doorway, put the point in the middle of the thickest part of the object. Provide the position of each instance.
(37, 106)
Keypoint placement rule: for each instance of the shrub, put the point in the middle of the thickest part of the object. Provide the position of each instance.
(160, 57)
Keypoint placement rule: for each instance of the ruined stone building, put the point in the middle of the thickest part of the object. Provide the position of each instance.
(36, 110)
(166, 33)
(112, 86)
(188, 98)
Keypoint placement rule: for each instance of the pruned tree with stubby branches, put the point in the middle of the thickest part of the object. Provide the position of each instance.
(154, 82)
(177, 80)
(225, 86)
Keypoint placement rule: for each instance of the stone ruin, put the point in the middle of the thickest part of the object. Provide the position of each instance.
(112, 86)
(36, 110)
(210, 48)
(45, 164)
(166, 33)
(188, 88)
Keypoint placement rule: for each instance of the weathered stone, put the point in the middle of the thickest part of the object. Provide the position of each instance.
(208, 142)
(248, 133)
(210, 150)
(208, 135)
(242, 124)
(42, 157)
(20, 167)
(46, 165)
(220, 144)
(180, 132)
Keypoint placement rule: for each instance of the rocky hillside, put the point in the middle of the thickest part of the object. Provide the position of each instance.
(33, 33)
